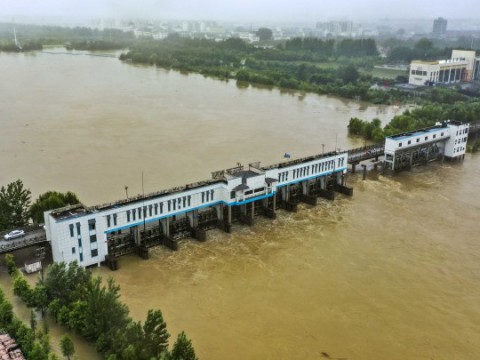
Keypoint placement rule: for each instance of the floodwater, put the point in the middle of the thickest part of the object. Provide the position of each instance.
(391, 273)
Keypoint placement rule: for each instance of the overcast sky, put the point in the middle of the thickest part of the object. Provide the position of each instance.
(244, 10)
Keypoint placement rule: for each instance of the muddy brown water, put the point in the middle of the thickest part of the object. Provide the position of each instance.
(391, 273)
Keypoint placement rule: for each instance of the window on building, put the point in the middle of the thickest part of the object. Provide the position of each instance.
(114, 219)
(79, 242)
(409, 142)
(133, 214)
(161, 208)
(426, 137)
(169, 204)
(94, 252)
(434, 136)
(71, 230)
(81, 257)
(139, 213)
(78, 228)
(418, 140)
(399, 144)
(128, 215)
(232, 194)
(91, 224)
(108, 220)
(203, 197)
(150, 210)
(211, 195)
(93, 238)
(441, 134)
(73, 250)
(155, 207)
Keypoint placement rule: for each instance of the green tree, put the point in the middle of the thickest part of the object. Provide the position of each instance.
(423, 48)
(49, 201)
(265, 34)
(14, 205)
(104, 313)
(156, 335)
(183, 349)
(66, 282)
(44, 339)
(39, 298)
(25, 336)
(348, 74)
(33, 320)
(22, 289)
(67, 347)
(10, 264)
(355, 126)
(6, 311)
(38, 352)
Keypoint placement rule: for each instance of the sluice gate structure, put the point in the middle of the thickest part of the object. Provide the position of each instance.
(93, 235)
(102, 233)
(445, 140)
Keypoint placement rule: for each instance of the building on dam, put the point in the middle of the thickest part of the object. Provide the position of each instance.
(92, 235)
(447, 140)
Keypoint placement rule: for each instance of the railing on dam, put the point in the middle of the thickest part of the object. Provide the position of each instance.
(365, 153)
(474, 128)
(22, 243)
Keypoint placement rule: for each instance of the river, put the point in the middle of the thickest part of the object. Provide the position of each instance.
(391, 273)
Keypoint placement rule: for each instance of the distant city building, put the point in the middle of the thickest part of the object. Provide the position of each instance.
(336, 28)
(463, 66)
(440, 26)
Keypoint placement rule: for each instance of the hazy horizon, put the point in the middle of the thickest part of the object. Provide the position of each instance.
(247, 10)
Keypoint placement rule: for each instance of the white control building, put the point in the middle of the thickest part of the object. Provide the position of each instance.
(448, 139)
(86, 234)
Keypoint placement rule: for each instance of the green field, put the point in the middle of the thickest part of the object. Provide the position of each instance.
(387, 73)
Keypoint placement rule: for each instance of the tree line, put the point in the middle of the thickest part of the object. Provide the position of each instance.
(92, 308)
(34, 343)
(16, 209)
(447, 106)
(331, 47)
(35, 37)
(280, 67)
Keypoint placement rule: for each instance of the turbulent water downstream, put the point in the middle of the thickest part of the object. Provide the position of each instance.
(391, 273)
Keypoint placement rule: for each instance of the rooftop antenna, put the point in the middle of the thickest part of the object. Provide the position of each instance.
(19, 47)
(126, 190)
